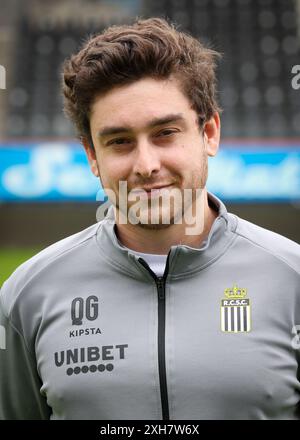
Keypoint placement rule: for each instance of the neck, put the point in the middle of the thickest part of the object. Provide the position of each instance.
(159, 241)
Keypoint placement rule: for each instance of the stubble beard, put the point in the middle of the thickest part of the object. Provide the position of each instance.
(174, 212)
(197, 184)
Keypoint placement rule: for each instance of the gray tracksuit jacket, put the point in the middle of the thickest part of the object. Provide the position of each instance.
(88, 331)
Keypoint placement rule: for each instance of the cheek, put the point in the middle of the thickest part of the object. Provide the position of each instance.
(186, 159)
(113, 170)
(194, 165)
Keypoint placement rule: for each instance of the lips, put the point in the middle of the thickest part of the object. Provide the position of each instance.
(151, 191)
(152, 188)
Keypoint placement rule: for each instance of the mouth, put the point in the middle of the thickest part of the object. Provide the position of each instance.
(150, 191)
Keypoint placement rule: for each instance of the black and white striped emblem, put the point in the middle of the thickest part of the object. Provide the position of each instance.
(235, 315)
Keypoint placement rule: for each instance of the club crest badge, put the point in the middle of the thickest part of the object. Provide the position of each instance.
(235, 311)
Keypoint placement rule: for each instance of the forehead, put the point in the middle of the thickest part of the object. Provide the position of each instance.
(139, 102)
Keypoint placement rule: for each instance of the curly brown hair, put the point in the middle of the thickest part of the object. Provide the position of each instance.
(123, 54)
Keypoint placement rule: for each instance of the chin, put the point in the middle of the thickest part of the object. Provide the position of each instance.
(160, 223)
(153, 227)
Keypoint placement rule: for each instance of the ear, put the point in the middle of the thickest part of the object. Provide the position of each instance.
(91, 155)
(211, 134)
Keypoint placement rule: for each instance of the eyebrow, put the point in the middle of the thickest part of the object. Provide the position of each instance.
(106, 131)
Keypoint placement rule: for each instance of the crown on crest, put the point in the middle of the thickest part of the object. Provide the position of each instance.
(235, 292)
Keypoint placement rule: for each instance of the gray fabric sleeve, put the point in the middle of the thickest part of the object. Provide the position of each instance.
(20, 396)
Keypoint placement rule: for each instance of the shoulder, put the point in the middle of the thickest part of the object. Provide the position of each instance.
(31, 269)
(280, 247)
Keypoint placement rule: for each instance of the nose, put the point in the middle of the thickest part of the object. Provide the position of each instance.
(147, 160)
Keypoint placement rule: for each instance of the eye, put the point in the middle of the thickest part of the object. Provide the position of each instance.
(118, 141)
(167, 132)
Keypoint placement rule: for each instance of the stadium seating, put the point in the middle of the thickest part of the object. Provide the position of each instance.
(258, 40)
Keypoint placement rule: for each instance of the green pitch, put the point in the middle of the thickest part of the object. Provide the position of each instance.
(10, 259)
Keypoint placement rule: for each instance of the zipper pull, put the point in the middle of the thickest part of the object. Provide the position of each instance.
(160, 287)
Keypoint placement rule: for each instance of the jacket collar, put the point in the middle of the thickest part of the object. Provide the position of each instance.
(183, 260)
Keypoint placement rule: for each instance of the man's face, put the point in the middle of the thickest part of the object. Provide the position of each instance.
(147, 135)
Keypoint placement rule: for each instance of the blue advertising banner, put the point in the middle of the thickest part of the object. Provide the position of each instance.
(256, 174)
(46, 172)
(56, 171)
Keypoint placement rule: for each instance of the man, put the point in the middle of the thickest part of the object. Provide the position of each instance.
(170, 307)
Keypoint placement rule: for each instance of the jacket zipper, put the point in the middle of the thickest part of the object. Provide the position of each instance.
(161, 284)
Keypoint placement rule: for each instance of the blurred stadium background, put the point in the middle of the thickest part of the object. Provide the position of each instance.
(46, 189)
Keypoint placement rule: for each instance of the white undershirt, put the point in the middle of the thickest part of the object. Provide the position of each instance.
(157, 263)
